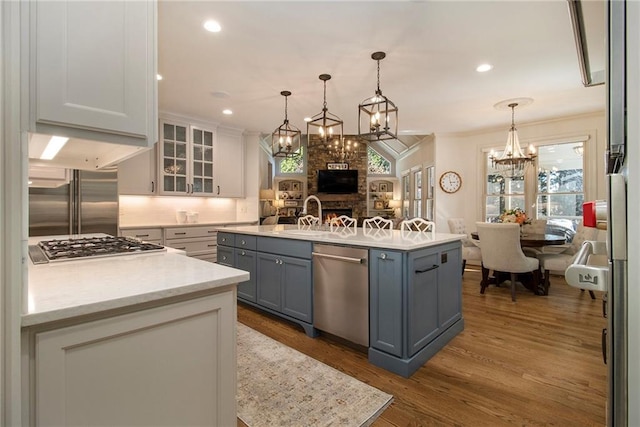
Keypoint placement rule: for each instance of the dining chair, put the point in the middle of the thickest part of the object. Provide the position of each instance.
(342, 221)
(418, 224)
(270, 220)
(560, 261)
(501, 252)
(308, 220)
(470, 250)
(377, 222)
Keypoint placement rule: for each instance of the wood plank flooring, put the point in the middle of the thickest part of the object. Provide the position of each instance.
(535, 362)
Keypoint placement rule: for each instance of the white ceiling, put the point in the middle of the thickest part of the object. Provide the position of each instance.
(432, 51)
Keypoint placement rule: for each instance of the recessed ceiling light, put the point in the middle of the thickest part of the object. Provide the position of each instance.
(227, 112)
(158, 77)
(212, 26)
(307, 119)
(483, 68)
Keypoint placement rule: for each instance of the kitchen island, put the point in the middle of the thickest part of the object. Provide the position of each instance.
(144, 339)
(413, 284)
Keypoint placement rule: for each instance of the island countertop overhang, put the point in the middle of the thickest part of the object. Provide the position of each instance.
(368, 238)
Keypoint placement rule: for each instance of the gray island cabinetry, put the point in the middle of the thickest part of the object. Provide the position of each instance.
(415, 305)
(414, 284)
(280, 271)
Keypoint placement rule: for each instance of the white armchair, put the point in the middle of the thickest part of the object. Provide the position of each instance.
(559, 262)
(501, 251)
(470, 250)
(342, 221)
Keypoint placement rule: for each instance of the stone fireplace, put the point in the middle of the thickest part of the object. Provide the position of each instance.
(317, 159)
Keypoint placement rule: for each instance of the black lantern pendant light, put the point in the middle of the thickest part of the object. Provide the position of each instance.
(327, 126)
(285, 140)
(378, 115)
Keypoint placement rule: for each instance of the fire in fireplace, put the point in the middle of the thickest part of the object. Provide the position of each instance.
(329, 214)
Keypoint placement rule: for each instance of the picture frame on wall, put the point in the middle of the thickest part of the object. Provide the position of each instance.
(337, 166)
(290, 203)
(382, 187)
(291, 212)
(295, 186)
(378, 204)
(284, 186)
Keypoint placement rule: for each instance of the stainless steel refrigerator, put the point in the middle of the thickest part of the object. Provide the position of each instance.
(87, 204)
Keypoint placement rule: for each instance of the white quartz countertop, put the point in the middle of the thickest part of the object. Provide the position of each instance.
(191, 224)
(371, 238)
(61, 290)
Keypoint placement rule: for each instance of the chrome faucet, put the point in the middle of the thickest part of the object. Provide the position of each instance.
(304, 207)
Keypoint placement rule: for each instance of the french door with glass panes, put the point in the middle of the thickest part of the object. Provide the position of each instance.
(186, 156)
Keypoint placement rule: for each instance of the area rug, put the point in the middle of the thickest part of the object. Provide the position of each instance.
(279, 386)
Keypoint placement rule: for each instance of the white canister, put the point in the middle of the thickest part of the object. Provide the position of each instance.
(192, 217)
(181, 217)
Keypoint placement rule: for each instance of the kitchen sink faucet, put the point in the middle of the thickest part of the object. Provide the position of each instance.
(304, 207)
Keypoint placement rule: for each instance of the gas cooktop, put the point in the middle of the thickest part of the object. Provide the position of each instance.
(88, 247)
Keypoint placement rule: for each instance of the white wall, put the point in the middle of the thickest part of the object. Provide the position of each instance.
(463, 154)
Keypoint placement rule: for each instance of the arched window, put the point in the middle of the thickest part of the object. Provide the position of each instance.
(294, 165)
(377, 164)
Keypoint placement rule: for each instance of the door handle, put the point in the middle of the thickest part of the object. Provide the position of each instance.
(433, 267)
(153, 186)
(604, 345)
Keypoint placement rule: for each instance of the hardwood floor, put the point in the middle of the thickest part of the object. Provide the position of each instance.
(533, 362)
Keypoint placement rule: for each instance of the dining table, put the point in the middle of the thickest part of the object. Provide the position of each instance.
(527, 240)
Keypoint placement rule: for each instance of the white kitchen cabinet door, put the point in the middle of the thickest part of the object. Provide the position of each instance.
(170, 365)
(95, 67)
(137, 175)
(229, 161)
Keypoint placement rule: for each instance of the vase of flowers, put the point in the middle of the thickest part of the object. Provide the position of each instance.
(516, 215)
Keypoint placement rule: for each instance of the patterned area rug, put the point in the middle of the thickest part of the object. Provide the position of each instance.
(279, 386)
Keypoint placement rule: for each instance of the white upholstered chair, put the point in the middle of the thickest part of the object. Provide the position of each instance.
(377, 222)
(418, 224)
(559, 262)
(308, 220)
(470, 250)
(342, 221)
(500, 248)
(270, 220)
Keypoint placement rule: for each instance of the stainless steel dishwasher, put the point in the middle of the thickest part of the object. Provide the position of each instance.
(341, 292)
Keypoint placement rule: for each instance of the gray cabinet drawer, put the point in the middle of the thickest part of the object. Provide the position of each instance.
(226, 239)
(244, 241)
(294, 248)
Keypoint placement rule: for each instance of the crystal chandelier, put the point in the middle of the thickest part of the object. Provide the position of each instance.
(512, 162)
(343, 150)
(378, 115)
(327, 126)
(285, 140)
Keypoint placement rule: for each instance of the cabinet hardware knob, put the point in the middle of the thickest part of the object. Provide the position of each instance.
(243, 242)
(224, 257)
(242, 253)
(383, 256)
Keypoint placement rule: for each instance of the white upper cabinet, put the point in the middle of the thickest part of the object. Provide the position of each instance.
(92, 70)
(229, 155)
(137, 175)
(199, 159)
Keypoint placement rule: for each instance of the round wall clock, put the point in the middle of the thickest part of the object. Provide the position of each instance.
(450, 182)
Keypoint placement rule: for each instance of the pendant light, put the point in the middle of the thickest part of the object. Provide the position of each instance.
(326, 126)
(285, 140)
(512, 162)
(378, 115)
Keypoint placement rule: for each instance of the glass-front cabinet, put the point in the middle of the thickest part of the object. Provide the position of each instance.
(186, 155)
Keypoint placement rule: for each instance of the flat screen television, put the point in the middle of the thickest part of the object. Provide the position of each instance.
(338, 181)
